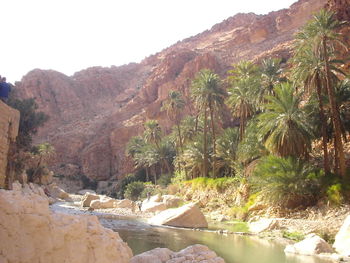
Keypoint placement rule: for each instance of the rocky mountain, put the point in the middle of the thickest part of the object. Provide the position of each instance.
(94, 112)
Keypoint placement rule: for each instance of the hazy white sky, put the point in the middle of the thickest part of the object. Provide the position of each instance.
(71, 35)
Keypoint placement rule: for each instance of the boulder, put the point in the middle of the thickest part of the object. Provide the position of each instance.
(103, 203)
(88, 198)
(311, 245)
(153, 207)
(264, 224)
(342, 239)
(56, 192)
(30, 232)
(193, 254)
(125, 203)
(85, 191)
(185, 216)
(171, 200)
(155, 198)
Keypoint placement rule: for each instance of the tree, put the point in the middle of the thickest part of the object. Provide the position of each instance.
(270, 74)
(43, 152)
(208, 95)
(243, 93)
(321, 36)
(283, 126)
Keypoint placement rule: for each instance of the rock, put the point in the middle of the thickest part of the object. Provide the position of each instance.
(171, 200)
(342, 239)
(264, 224)
(153, 207)
(57, 192)
(191, 254)
(256, 207)
(88, 198)
(185, 216)
(103, 203)
(125, 203)
(30, 232)
(157, 255)
(86, 191)
(311, 245)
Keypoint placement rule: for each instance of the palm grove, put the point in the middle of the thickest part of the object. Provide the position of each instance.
(287, 128)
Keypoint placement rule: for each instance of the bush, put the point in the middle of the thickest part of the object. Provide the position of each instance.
(133, 190)
(287, 182)
(121, 187)
(218, 184)
(164, 180)
(334, 194)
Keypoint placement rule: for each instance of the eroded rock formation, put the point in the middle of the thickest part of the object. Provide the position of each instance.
(96, 111)
(30, 232)
(9, 121)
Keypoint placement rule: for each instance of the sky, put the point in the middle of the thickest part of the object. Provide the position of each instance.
(71, 35)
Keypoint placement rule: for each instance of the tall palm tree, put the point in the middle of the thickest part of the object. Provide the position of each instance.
(243, 93)
(320, 34)
(153, 132)
(208, 95)
(283, 126)
(270, 74)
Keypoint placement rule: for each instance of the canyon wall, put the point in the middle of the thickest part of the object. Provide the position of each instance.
(96, 111)
(9, 121)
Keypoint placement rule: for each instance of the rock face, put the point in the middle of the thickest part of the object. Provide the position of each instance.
(194, 254)
(96, 111)
(185, 216)
(342, 239)
(9, 121)
(31, 233)
(311, 245)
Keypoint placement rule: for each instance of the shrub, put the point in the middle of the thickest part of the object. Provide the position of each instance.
(164, 180)
(133, 190)
(287, 182)
(334, 194)
(218, 184)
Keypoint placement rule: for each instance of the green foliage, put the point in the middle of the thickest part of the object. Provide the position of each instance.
(334, 194)
(139, 176)
(287, 182)
(295, 236)
(218, 184)
(30, 121)
(133, 190)
(165, 179)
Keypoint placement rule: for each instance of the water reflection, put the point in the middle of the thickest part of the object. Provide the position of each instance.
(233, 248)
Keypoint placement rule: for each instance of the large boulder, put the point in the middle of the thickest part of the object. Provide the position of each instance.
(311, 245)
(30, 232)
(56, 192)
(342, 239)
(171, 200)
(194, 254)
(125, 203)
(264, 224)
(103, 203)
(88, 198)
(185, 216)
(153, 207)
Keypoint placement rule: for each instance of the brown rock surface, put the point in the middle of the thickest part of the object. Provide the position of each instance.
(9, 121)
(96, 111)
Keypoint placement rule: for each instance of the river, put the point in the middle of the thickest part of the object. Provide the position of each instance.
(233, 248)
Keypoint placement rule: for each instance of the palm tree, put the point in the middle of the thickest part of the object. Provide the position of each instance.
(270, 74)
(243, 92)
(208, 95)
(283, 126)
(153, 132)
(320, 34)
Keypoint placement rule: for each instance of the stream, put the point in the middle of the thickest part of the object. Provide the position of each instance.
(234, 248)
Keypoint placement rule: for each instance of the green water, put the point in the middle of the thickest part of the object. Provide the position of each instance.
(233, 248)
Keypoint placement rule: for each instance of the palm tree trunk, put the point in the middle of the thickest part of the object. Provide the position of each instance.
(335, 116)
(326, 165)
(214, 139)
(205, 146)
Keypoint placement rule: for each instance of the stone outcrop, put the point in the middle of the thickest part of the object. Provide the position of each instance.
(9, 121)
(342, 239)
(311, 245)
(264, 224)
(194, 254)
(185, 216)
(30, 232)
(88, 198)
(96, 111)
(103, 203)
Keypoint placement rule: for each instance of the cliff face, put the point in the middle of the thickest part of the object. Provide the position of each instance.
(96, 111)
(9, 121)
